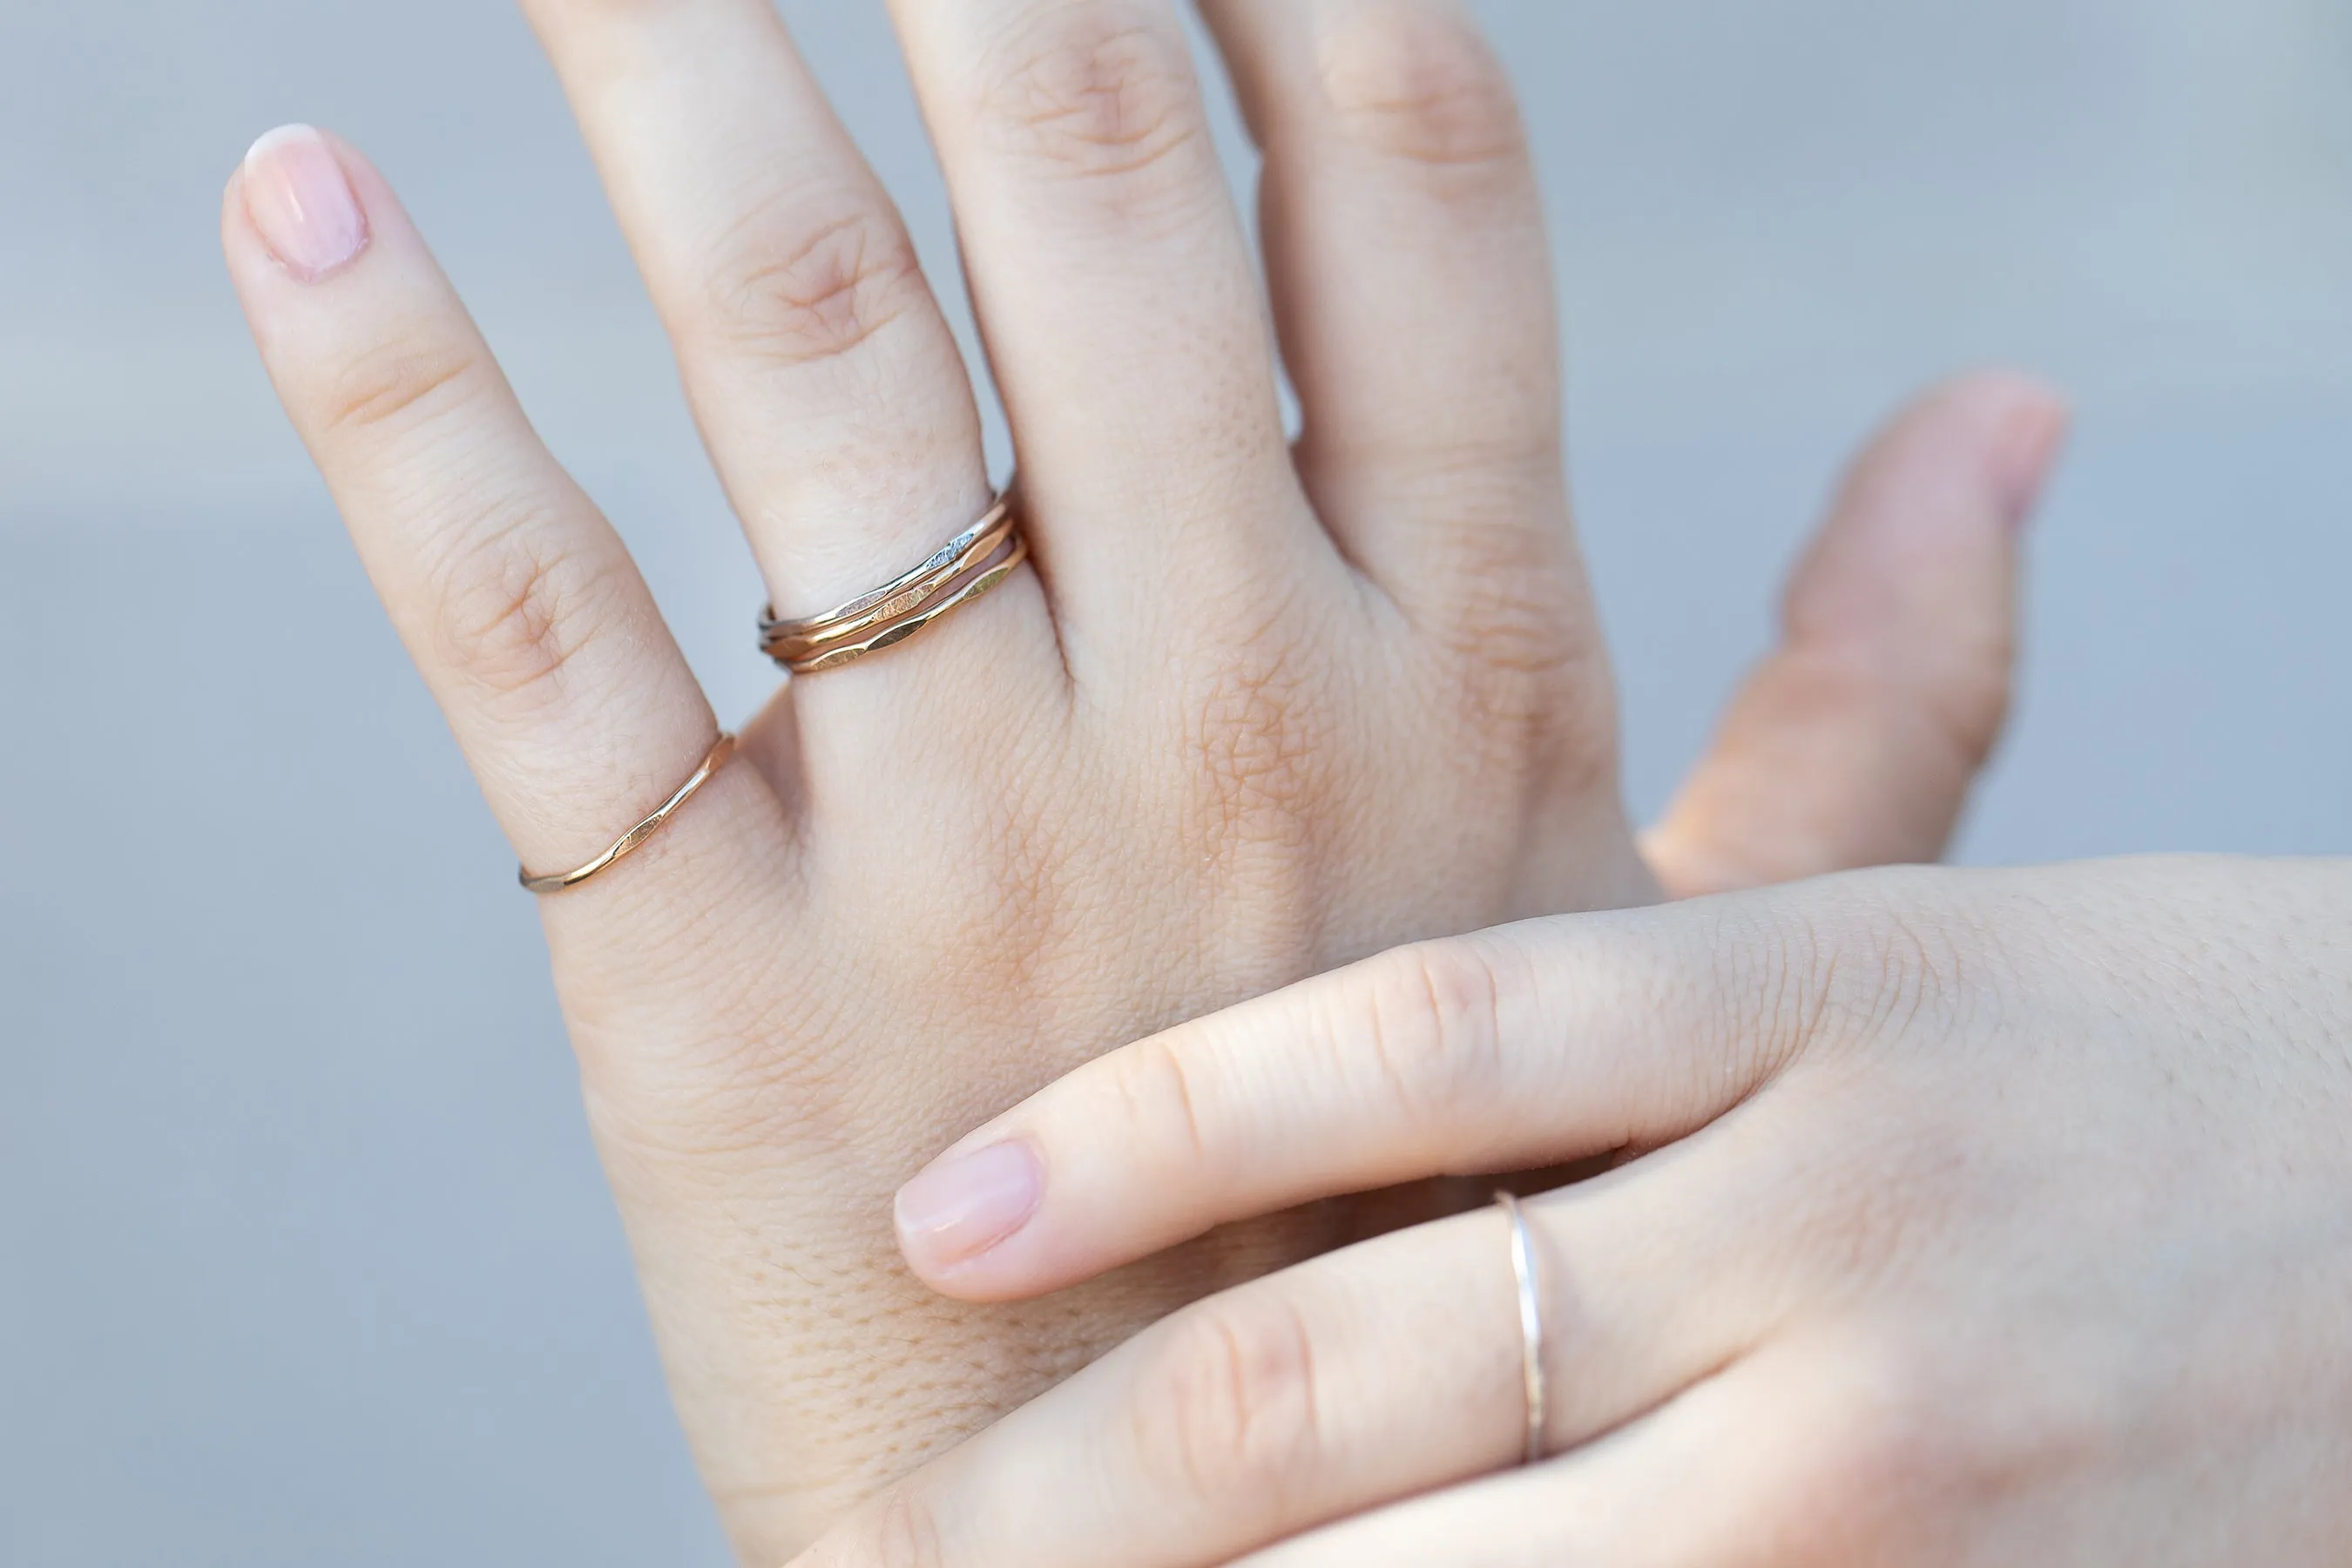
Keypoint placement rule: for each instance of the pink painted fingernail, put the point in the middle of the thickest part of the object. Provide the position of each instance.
(967, 1204)
(2030, 444)
(300, 202)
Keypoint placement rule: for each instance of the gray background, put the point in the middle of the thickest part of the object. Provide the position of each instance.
(304, 1254)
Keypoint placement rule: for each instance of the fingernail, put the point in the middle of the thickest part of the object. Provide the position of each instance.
(967, 1204)
(300, 202)
(2029, 448)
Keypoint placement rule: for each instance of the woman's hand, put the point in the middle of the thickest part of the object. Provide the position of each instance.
(1967, 1218)
(1254, 713)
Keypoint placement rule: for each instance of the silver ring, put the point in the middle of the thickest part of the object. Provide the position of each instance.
(1531, 1332)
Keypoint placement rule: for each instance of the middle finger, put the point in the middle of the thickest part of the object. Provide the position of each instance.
(826, 383)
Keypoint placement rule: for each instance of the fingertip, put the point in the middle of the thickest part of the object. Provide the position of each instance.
(2013, 426)
(297, 195)
(1999, 388)
(1052, 1195)
(955, 1217)
(1936, 499)
(232, 215)
(2033, 438)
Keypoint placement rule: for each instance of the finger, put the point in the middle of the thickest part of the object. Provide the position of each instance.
(516, 599)
(1513, 1049)
(1412, 284)
(1858, 740)
(1286, 1403)
(828, 387)
(1119, 299)
(1759, 1465)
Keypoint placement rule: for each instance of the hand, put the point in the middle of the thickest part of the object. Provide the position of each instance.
(1969, 1218)
(1254, 714)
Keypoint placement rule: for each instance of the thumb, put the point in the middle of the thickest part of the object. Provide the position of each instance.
(1856, 742)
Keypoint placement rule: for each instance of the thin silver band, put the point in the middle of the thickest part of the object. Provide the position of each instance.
(772, 630)
(1531, 1332)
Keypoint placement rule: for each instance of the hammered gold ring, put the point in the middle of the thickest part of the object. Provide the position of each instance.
(635, 838)
(961, 570)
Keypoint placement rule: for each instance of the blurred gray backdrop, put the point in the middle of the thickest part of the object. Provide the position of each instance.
(304, 1257)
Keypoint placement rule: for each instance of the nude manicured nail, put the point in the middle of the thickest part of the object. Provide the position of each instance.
(300, 202)
(966, 1203)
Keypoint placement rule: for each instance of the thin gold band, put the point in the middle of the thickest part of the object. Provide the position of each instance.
(635, 837)
(967, 566)
(833, 656)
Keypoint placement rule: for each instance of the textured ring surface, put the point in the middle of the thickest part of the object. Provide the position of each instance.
(800, 639)
(956, 573)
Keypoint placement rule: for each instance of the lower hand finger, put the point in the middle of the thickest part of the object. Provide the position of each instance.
(1514, 1049)
(1345, 1383)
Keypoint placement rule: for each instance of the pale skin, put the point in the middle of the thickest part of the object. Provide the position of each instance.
(1979, 1218)
(1259, 709)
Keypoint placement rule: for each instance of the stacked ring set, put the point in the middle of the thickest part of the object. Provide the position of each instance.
(960, 571)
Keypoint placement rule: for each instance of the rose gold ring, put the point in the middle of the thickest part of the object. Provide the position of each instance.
(635, 837)
(961, 570)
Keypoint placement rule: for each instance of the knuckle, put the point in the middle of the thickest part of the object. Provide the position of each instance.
(1254, 730)
(1434, 1033)
(1155, 1085)
(802, 282)
(1506, 588)
(1422, 86)
(400, 383)
(1101, 89)
(1527, 675)
(1226, 1414)
(515, 608)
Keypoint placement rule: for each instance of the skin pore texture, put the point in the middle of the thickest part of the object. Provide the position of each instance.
(1260, 708)
(1958, 1218)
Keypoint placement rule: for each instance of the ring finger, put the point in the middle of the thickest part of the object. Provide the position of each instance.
(1121, 306)
(1279, 1406)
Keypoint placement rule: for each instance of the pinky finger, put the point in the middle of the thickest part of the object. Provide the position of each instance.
(517, 600)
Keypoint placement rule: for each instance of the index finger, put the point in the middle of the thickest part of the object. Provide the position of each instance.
(1517, 1049)
(517, 600)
